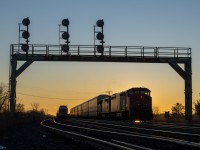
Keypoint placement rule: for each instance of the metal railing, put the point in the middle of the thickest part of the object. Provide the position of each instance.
(109, 51)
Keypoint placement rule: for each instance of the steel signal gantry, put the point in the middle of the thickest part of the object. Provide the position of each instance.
(171, 55)
(143, 54)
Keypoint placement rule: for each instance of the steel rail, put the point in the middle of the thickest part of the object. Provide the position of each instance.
(92, 141)
(113, 134)
(132, 146)
(189, 136)
(176, 124)
(173, 127)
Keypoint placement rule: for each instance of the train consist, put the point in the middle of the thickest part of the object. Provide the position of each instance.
(62, 112)
(132, 104)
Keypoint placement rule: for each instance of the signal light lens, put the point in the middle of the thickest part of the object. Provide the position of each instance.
(100, 23)
(25, 47)
(26, 21)
(65, 22)
(65, 48)
(100, 36)
(25, 34)
(65, 35)
(100, 48)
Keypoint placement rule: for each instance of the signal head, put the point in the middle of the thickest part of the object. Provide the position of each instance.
(65, 22)
(65, 48)
(100, 23)
(25, 47)
(26, 21)
(25, 34)
(100, 48)
(100, 36)
(65, 35)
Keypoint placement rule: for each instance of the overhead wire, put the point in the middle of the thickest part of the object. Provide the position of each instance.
(22, 86)
(46, 97)
(25, 94)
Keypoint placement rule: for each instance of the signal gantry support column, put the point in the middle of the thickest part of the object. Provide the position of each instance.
(188, 90)
(187, 76)
(13, 80)
(13, 87)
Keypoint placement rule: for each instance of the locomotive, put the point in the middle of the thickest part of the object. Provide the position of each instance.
(132, 104)
(62, 112)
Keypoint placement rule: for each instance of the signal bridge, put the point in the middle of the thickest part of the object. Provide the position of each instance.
(135, 54)
(110, 54)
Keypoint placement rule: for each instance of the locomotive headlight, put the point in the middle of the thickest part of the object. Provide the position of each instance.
(137, 121)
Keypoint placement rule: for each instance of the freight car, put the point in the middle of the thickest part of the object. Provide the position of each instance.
(132, 104)
(88, 109)
(62, 112)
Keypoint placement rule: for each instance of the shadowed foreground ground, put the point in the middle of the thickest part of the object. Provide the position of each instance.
(25, 133)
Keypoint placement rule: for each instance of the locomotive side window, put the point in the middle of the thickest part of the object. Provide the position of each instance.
(130, 93)
(138, 91)
(145, 92)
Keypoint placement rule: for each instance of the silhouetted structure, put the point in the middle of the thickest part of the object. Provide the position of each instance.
(171, 55)
(35, 52)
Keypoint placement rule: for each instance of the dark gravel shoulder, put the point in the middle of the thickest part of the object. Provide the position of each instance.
(31, 136)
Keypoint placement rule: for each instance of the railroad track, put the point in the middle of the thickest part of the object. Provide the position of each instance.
(118, 136)
(147, 130)
(180, 127)
(89, 142)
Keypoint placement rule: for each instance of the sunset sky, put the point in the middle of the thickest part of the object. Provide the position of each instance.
(171, 23)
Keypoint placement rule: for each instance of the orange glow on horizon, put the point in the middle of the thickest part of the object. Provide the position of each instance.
(162, 100)
(75, 85)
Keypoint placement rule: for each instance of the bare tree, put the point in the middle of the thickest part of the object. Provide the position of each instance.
(197, 108)
(35, 106)
(156, 111)
(19, 107)
(4, 98)
(177, 111)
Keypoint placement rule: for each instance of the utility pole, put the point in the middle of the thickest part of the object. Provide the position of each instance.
(109, 92)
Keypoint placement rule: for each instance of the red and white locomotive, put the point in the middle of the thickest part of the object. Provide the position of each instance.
(132, 104)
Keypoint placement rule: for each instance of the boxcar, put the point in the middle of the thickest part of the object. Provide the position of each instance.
(90, 109)
(85, 108)
(106, 107)
(79, 109)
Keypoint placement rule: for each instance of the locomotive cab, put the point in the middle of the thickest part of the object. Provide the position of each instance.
(140, 104)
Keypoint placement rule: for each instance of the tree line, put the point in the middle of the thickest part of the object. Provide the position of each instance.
(178, 111)
(19, 107)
